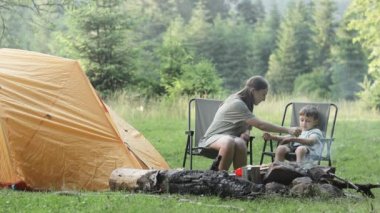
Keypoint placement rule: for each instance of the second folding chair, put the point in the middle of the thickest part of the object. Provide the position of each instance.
(326, 125)
(203, 111)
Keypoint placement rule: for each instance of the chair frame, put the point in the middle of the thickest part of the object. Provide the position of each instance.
(326, 141)
(193, 150)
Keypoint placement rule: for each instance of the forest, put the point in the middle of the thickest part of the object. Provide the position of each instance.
(321, 49)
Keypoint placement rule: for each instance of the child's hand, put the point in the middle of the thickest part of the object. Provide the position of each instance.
(285, 141)
(267, 136)
(296, 131)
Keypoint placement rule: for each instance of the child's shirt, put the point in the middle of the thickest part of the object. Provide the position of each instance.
(317, 146)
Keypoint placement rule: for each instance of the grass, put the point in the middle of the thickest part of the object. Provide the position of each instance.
(129, 202)
(355, 153)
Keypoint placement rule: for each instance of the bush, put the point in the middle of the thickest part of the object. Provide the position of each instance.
(198, 79)
(313, 85)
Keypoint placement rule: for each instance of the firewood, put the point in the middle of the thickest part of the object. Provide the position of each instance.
(280, 178)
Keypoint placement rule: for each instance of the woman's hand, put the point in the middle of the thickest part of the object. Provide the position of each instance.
(296, 131)
(245, 136)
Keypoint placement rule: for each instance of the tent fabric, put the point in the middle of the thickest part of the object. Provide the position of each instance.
(56, 133)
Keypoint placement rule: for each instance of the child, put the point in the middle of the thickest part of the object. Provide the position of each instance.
(308, 143)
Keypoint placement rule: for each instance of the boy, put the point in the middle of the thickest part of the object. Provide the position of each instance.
(308, 143)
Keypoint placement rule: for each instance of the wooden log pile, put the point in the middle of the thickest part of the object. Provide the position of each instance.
(284, 179)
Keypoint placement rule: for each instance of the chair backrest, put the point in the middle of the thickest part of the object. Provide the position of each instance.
(324, 115)
(205, 110)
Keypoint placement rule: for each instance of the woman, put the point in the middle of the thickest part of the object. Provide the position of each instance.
(230, 128)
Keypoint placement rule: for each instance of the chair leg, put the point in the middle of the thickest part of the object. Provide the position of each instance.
(250, 151)
(191, 152)
(262, 153)
(271, 149)
(191, 162)
(186, 151)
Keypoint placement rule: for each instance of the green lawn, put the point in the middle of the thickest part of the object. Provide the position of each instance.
(355, 154)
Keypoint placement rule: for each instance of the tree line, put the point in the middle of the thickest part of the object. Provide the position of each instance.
(203, 48)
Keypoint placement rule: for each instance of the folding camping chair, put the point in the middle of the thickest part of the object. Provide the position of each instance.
(325, 109)
(205, 110)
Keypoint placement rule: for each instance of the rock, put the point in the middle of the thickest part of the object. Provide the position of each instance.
(302, 190)
(305, 180)
(328, 190)
(276, 188)
(283, 173)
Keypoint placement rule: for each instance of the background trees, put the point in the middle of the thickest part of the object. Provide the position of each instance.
(349, 65)
(171, 47)
(290, 59)
(94, 33)
(317, 81)
(365, 20)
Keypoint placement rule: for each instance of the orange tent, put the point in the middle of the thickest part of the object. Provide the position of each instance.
(56, 133)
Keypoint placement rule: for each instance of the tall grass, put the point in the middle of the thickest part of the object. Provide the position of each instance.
(133, 107)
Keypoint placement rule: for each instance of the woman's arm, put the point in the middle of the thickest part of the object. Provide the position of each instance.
(266, 126)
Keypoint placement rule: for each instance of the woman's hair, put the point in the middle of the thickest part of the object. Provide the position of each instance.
(253, 83)
(309, 111)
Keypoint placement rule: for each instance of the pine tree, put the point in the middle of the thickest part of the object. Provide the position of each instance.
(199, 78)
(349, 65)
(214, 9)
(317, 83)
(250, 12)
(151, 20)
(97, 35)
(198, 29)
(173, 54)
(323, 33)
(264, 42)
(229, 49)
(290, 59)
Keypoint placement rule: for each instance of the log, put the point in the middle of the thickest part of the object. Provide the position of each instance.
(133, 179)
(364, 189)
(321, 173)
(279, 179)
(218, 183)
(283, 173)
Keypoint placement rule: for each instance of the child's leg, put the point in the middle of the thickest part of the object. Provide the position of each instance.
(301, 152)
(281, 152)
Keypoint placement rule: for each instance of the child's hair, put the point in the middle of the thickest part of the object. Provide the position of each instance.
(310, 111)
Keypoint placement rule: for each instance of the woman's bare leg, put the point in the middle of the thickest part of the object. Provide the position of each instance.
(226, 147)
(240, 155)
